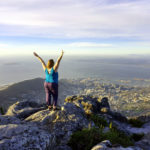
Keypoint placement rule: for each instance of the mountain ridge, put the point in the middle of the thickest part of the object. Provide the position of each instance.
(128, 100)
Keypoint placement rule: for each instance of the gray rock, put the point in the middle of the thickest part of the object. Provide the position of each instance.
(144, 129)
(40, 129)
(8, 119)
(145, 141)
(144, 118)
(104, 102)
(118, 116)
(24, 137)
(28, 125)
(70, 119)
(102, 146)
(63, 147)
(23, 109)
(43, 116)
(106, 145)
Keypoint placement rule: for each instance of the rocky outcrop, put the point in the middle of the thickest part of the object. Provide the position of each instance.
(29, 125)
(96, 106)
(145, 129)
(23, 137)
(24, 109)
(38, 128)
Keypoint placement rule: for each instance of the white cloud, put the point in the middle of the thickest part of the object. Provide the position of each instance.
(3, 45)
(75, 19)
(89, 44)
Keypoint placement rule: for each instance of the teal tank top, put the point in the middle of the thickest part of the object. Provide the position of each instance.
(51, 77)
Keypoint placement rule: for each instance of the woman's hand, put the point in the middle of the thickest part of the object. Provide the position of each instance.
(62, 52)
(41, 60)
(35, 54)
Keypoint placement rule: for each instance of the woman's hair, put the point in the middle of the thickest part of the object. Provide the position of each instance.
(50, 63)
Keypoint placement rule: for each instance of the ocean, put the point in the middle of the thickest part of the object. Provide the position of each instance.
(18, 68)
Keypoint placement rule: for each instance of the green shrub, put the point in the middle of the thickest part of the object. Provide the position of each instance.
(136, 123)
(99, 121)
(118, 137)
(87, 138)
(137, 137)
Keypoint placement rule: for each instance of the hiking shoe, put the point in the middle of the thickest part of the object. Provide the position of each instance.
(56, 108)
(50, 108)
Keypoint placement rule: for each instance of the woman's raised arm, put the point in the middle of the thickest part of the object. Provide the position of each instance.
(58, 61)
(41, 60)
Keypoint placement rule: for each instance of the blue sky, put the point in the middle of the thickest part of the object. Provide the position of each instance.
(109, 27)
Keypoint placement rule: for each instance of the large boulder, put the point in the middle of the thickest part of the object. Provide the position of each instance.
(145, 142)
(24, 137)
(104, 102)
(95, 105)
(41, 129)
(24, 109)
(61, 123)
(4, 120)
(145, 129)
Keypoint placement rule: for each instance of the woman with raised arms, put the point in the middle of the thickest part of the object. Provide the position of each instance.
(51, 80)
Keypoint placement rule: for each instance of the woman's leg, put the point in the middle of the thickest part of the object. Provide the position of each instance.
(54, 91)
(48, 94)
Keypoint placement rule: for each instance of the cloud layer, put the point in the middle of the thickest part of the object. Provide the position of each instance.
(75, 19)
